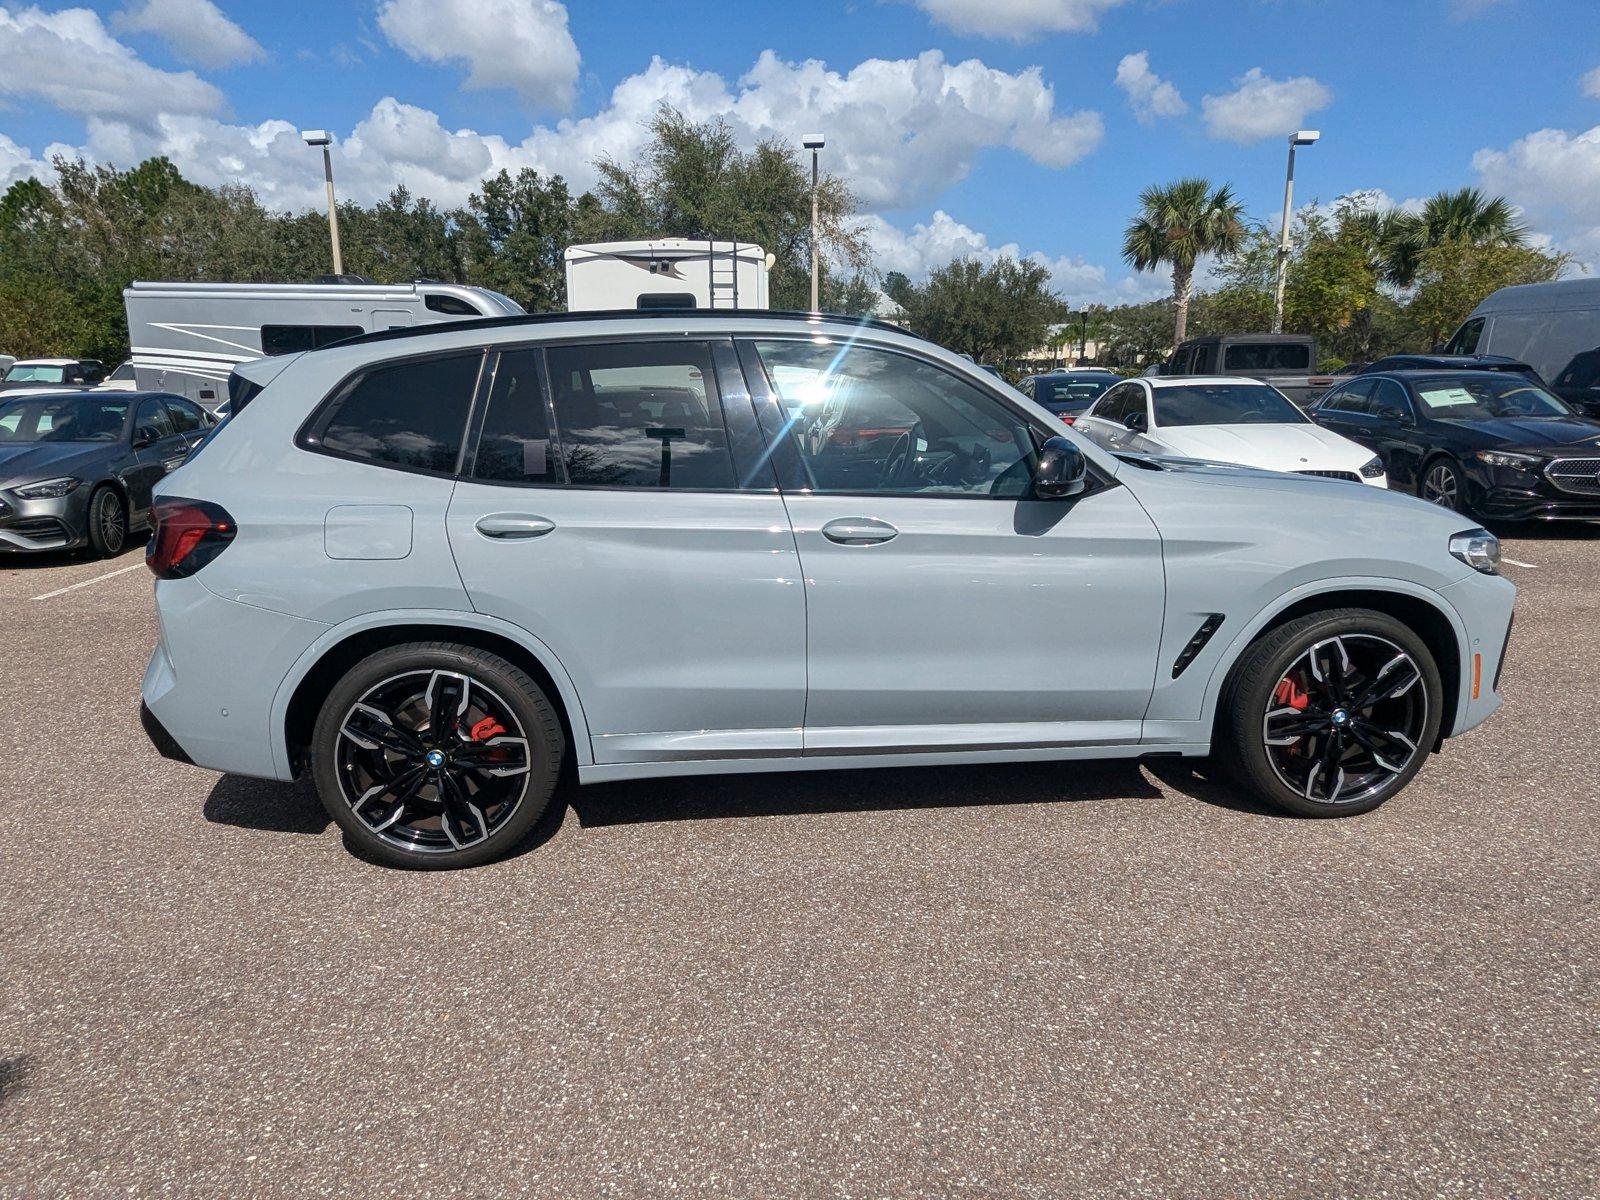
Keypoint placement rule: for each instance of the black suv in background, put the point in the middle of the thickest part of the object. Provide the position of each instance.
(1489, 443)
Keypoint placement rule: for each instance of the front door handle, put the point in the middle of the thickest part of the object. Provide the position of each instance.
(859, 531)
(513, 526)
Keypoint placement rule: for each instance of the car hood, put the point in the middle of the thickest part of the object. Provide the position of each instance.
(1271, 447)
(29, 462)
(1531, 431)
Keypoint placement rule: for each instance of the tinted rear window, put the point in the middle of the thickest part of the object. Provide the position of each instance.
(409, 415)
(1267, 356)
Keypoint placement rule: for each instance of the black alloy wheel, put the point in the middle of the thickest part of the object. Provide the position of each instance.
(441, 757)
(108, 523)
(1332, 713)
(1345, 718)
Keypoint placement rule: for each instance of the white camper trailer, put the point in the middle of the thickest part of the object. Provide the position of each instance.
(666, 273)
(188, 337)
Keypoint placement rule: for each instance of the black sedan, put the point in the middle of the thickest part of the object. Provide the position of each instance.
(76, 468)
(1068, 393)
(1487, 443)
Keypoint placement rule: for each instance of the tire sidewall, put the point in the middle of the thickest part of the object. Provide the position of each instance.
(546, 747)
(1257, 677)
(97, 544)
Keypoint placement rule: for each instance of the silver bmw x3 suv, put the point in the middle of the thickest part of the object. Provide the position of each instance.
(437, 568)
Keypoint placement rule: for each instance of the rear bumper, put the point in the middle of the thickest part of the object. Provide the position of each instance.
(166, 745)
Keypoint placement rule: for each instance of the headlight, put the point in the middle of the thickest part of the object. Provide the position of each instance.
(1505, 458)
(1479, 549)
(1372, 469)
(49, 489)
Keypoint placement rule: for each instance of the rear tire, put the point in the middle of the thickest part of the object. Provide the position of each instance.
(108, 523)
(1295, 725)
(434, 756)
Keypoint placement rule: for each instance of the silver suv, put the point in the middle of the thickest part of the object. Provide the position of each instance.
(438, 568)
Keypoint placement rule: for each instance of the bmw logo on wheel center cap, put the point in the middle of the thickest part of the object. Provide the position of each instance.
(1340, 717)
(435, 758)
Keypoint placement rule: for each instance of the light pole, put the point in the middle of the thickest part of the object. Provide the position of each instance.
(814, 142)
(321, 137)
(1304, 137)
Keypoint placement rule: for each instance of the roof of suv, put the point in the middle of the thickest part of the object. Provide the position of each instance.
(688, 316)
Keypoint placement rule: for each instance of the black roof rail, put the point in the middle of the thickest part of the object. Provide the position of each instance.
(630, 314)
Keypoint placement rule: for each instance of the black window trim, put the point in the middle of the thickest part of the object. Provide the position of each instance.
(307, 436)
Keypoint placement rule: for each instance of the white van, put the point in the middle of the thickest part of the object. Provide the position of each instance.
(1553, 327)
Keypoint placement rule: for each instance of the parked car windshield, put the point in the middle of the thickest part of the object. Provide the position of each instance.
(1079, 393)
(75, 418)
(1481, 396)
(1225, 404)
(36, 373)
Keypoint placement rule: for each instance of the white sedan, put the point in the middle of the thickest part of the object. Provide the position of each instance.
(1224, 419)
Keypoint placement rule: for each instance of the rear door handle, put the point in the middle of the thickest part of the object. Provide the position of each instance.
(859, 531)
(513, 526)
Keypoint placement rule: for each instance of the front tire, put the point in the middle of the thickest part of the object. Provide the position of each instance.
(1331, 714)
(433, 755)
(108, 523)
(1444, 483)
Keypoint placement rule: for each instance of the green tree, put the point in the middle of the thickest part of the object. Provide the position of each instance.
(693, 181)
(1452, 278)
(513, 235)
(1177, 225)
(1466, 216)
(993, 312)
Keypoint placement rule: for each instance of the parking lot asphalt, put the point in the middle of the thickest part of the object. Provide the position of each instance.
(1041, 981)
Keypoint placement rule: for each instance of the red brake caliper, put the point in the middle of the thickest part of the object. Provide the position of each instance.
(488, 728)
(1291, 695)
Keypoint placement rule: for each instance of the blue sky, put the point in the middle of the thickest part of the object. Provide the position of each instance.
(966, 126)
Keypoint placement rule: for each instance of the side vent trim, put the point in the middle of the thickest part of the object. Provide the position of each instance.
(1197, 643)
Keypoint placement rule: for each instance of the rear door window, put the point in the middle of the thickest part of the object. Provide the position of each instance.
(185, 416)
(514, 445)
(1267, 356)
(152, 418)
(640, 415)
(408, 415)
(1355, 397)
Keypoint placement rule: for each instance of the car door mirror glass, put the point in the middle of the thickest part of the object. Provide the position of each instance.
(145, 435)
(1136, 421)
(1391, 413)
(1062, 471)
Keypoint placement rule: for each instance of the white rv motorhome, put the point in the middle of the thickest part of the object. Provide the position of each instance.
(188, 337)
(666, 273)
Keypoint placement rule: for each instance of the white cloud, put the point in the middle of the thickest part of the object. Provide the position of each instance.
(196, 29)
(1590, 83)
(1149, 95)
(69, 60)
(943, 239)
(1554, 176)
(900, 131)
(1262, 107)
(521, 45)
(1017, 20)
(17, 162)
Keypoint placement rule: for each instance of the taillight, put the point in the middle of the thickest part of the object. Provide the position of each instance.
(189, 534)
(1066, 420)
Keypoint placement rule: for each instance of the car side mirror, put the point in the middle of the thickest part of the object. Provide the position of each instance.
(145, 435)
(1392, 413)
(1062, 471)
(1137, 422)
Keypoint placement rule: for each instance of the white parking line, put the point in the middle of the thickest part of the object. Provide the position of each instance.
(1518, 563)
(72, 587)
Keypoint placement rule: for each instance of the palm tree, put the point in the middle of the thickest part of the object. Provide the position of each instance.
(1462, 216)
(1176, 225)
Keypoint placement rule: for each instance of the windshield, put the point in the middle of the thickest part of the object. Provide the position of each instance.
(36, 373)
(1225, 404)
(1079, 393)
(63, 419)
(1481, 396)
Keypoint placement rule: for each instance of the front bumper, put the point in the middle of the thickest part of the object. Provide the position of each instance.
(1506, 494)
(1484, 603)
(37, 525)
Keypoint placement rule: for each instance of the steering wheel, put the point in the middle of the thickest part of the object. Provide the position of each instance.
(898, 462)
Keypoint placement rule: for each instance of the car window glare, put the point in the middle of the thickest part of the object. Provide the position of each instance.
(870, 420)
